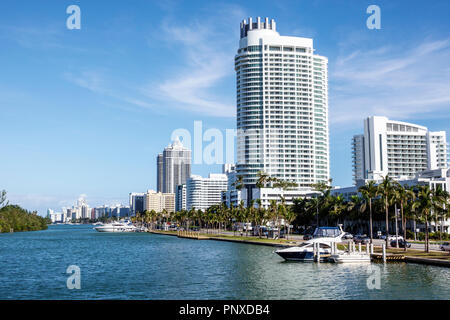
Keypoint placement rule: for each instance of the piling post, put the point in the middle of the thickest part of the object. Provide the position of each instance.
(359, 247)
(384, 252)
(314, 250)
(318, 252)
(371, 248)
(367, 249)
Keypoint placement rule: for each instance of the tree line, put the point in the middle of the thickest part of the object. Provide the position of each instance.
(418, 203)
(13, 218)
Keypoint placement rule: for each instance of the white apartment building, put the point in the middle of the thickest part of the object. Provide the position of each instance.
(398, 149)
(201, 193)
(282, 106)
(173, 167)
(158, 201)
(436, 178)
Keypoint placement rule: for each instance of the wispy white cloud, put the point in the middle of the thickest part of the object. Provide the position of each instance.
(208, 47)
(396, 81)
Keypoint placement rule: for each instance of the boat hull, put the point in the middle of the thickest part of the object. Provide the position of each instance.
(349, 259)
(306, 256)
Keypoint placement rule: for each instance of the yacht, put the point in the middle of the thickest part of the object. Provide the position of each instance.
(125, 226)
(325, 236)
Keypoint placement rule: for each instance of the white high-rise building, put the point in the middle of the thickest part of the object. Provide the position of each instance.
(201, 193)
(282, 106)
(173, 167)
(398, 149)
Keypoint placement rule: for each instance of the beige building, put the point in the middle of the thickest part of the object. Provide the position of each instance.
(159, 201)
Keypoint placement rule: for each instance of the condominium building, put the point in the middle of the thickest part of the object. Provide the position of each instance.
(282, 106)
(158, 201)
(173, 167)
(398, 149)
(201, 193)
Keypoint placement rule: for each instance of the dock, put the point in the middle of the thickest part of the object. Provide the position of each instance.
(390, 257)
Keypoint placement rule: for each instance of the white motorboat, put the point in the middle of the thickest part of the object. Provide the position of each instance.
(116, 227)
(325, 236)
(353, 257)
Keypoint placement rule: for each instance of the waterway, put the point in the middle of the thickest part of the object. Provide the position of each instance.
(33, 265)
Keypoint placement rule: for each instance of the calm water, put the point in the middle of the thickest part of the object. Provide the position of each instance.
(145, 266)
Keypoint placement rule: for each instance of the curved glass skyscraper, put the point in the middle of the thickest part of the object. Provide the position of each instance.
(282, 106)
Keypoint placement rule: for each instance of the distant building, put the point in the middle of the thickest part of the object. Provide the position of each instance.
(137, 202)
(159, 172)
(173, 167)
(398, 149)
(180, 198)
(432, 178)
(201, 193)
(158, 201)
(120, 211)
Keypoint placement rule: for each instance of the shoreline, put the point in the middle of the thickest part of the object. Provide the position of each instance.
(410, 259)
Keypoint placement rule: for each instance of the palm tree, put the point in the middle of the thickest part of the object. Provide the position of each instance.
(386, 190)
(289, 216)
(440, 198)
(369, 191)
(273, 212)
(250, 215)
(337, 206)
(263, 179)
(239, 183)
(423, 206)
(313, 208)
(403, 195)
(260, 215)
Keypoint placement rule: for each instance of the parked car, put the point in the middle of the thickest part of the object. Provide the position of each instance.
(307, 237)
(445, 246)
(382, 237)
(393, 238)
(361, 238)
(401, 243)
(347, 236)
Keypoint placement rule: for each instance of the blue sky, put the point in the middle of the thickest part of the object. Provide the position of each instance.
(86, 111)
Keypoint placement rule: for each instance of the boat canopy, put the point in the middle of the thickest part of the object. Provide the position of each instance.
(327, 232)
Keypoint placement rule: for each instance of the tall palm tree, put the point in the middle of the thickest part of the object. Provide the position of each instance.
(440, 199)
(386, 191)
(250, 214)
(289, 216)
(423, 205)
(403, 195)
(369, 191)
